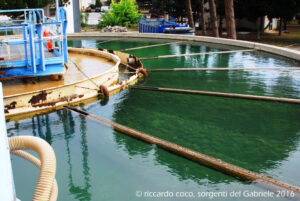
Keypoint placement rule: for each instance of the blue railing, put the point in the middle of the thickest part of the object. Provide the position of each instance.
(32, 37)
(158, 25)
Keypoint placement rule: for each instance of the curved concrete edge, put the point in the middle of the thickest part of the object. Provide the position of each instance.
(292, 54)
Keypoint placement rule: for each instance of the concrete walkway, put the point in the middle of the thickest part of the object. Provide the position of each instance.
(294, 46)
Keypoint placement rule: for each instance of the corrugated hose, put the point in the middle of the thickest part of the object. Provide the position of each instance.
(46, 189)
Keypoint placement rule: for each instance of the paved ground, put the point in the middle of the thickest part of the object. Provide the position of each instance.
(294, 47)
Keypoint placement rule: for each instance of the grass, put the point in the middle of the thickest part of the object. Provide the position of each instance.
(133, 27)
(289, 37)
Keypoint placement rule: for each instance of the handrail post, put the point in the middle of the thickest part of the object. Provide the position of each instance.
(25, 45)
(31, 42)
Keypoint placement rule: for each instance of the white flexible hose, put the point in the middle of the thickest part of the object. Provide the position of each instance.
(48, 163)
(37, 162)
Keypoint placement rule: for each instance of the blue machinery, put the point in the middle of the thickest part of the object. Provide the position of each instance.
(158, 25)
(34, 46)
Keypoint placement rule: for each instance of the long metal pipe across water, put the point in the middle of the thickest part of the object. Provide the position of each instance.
(196, 54)
(223, 69)
(202, 159)
(221, 94)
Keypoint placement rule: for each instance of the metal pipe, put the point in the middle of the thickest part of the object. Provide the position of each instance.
(210, 93)
(57, 10)
(200, 158)
(195, 54)
(149, 46)
(222, 69)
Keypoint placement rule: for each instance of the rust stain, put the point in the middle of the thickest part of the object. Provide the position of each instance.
(2, 72)
(53, 103)
(6, 111)
(111, 51)
(40, 97)
(12, 105)
(137, 63)
(46, 104)
(72, 97)
(1, 59)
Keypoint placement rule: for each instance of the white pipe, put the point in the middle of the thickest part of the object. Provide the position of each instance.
(7, 188)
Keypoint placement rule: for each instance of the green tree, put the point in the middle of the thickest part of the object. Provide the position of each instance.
(188, 5)
(98, 3)
(124, 13)
(230, 20)
(213, 18)
(257, 9)
(202, 18)
(285, 10)
(254, 11)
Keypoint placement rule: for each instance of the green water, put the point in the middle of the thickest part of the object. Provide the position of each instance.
(97, 163)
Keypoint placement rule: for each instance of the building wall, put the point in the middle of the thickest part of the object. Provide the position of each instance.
(93, 18)
(85, 3)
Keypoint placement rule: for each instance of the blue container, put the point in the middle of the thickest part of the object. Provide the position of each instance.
(158, 25)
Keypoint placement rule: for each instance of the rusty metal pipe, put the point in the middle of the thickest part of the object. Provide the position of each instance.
(195, 54)
(210, 93)
(200, 158)
(149, 46)
(222, 69)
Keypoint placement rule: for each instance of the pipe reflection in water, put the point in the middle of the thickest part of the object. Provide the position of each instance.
(265, 132)
(93, 161)
(38, 125)
(81, 193)
(55, 128)
(48, 130)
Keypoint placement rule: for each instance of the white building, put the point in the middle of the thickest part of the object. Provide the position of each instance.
(85, 3)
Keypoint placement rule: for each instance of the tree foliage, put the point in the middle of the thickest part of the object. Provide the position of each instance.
(285, 9)
(124, 13)
(250, 9)
(98, 3)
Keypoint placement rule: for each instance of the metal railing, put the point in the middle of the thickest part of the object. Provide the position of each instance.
(23, 42)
